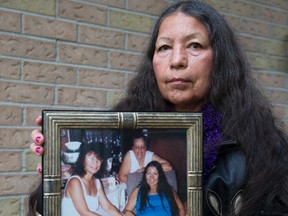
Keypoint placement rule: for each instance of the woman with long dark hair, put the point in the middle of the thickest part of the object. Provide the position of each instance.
(194, 63)
(83, 192)
(154, 195)
(241, 133)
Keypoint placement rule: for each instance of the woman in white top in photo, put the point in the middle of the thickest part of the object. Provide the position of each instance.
(136, 159)
(83, 191)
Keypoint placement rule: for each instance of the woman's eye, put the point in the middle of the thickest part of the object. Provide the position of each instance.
(195, 45)
(163, 48)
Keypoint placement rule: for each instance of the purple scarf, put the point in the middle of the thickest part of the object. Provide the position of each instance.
(211, 138)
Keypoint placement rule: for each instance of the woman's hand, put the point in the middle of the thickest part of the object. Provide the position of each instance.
(38, 140)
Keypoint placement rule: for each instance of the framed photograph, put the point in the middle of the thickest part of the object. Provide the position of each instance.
(175, 137)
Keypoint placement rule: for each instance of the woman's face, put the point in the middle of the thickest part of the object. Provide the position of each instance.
(152, 176)
(183, 61)
(92, 163)
(139, 148)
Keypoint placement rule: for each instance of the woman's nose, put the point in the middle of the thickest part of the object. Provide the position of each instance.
(178, 58)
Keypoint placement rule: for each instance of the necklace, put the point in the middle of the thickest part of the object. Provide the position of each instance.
(211, 138)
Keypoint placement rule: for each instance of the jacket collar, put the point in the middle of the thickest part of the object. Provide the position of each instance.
(228, 141)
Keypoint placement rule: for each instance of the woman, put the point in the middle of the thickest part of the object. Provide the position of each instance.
(83, 191)
(154, 195)
(194, 63)
(136, 159)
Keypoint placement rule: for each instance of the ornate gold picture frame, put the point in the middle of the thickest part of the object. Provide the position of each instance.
(57, 123)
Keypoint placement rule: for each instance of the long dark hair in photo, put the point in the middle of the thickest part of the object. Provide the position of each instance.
(163, 189)
(247, 114)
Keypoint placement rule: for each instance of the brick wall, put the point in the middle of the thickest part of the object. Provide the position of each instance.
(80, 54)
(262, 27)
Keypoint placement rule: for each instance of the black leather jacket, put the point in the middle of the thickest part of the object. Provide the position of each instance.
(224, 187)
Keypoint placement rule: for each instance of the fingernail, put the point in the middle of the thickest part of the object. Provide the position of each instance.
(39, 170)
(38, 139)
(37, 149)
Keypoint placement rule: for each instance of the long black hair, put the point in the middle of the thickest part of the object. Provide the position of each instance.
(163, 189)
(247, 114)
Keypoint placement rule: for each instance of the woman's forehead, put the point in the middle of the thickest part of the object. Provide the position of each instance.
(152, 168)
(139, 142)
(91, 153)
(183, 25)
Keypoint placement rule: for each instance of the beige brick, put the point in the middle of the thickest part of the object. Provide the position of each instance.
(38, 6)
(115, 3)
(15, 138)
(148, 6)
(234, 22)
(39, 72)
(32, 113)
(102, 37)
(28, 48)
(285, 116)
(137, 42)
(10, 21)
(114, 98)
(279, 3)
(278, 96)
(278, 32)
(10, 115)
(26, 93)
(51, 28)
(272, 80)
(130, 21)
(265, 46)
(10, 161)
(280, 112)
(82, 11)
(31, 161)
(274, 15)
(9, 206)
(26, 205)
(130, 77)
(82, 55)
(124, 61)
(218, 5)
(103, 79)
(250, 43)
(267, 62)
(272, 47)
(254, 27)
(81, 97)
(245, 9)
(10, 69)
(18, 183)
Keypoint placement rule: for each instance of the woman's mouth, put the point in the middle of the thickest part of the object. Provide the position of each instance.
(178, 80)
(179, 83)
